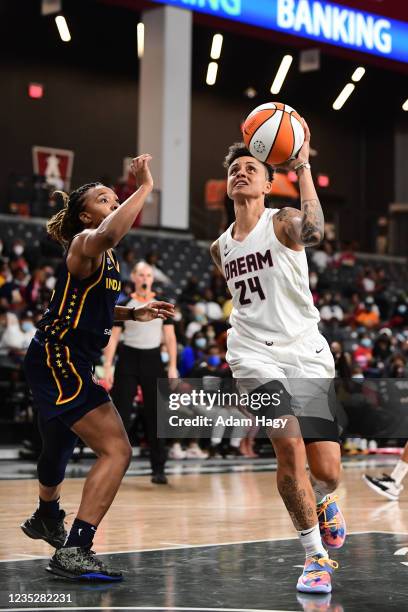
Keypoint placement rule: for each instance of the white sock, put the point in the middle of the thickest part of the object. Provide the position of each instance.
(235, 442)
(399, 472)
(216, 441)
(312, 542)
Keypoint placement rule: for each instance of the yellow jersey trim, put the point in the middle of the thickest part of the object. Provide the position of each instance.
(78, 316)
(61, 400)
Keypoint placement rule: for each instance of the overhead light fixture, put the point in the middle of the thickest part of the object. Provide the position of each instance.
(405, 105)
(35, 90)
(216, 46)
(281, 74)
(250, 92)
(63, 28)
(140, 39)
(212, 73)
(358, 74)
(343, 96)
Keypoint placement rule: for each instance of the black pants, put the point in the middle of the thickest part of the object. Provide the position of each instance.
(140, 367)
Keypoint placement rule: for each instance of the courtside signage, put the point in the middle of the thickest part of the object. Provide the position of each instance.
(321, 21)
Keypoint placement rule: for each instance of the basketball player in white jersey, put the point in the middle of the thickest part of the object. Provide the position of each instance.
(274, 337)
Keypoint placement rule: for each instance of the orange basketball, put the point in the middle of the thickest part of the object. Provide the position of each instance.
(273, 133)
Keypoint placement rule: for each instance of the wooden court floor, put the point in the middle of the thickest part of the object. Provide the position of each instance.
(194, 509)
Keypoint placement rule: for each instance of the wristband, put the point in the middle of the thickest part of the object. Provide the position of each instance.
(133, 313)
(302, 165)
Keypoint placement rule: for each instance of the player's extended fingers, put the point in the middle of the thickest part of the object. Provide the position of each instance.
(164, 307)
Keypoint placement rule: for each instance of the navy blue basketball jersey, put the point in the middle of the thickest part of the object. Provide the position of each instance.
(81, 312)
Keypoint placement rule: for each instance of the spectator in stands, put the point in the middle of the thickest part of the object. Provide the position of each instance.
(35, 289)
(212, 310)
(27, 327)
(322, 256)
(199, 320)
(382, 348)
(11, 335)
(11, 292)
(396, 366)
(342, 360)
(400, 316)
(369, 316)
(363, 352)
(346, 257)
(331, 311)
(368, 281)
(193, 353)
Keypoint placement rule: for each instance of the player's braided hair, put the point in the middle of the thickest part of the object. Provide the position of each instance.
(63, 226)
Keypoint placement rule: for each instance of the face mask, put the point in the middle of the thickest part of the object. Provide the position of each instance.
(199, 318)
(214, 360)
(357, 376)
(201, 343)
(165, 357)
(50, 282)
(18, 250)
(27, 326)
(366, 342)
(402, 309)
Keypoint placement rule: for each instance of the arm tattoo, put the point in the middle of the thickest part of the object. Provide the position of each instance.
(216, 255)
(302, 513)
(312, 229)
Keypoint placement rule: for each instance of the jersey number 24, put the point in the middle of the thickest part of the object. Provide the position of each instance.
(254, 286)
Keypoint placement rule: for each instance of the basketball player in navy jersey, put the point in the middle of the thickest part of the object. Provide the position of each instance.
(59, 369)
(274, 337)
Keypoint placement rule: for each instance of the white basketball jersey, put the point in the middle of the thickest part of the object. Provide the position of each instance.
(269, 284)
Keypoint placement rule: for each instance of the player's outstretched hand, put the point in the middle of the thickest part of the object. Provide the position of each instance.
(154, 310)
(140, 168)
(304, 152)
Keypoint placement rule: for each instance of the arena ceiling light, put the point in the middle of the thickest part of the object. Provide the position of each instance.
(212, 73)
(358, 74)
(281, 74)
(343, 96)
(140, 39)
(63, 28)
(405, 105)
(216, 46)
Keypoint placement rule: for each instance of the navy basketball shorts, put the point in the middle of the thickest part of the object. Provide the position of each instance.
(62, 383)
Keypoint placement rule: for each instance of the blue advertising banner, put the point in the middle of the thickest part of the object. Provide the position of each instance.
(315, 19)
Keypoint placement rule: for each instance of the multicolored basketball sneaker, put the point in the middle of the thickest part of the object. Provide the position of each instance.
(331, 522)
(316, 576)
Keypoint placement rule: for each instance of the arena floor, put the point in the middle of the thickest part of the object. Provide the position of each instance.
(217, 538)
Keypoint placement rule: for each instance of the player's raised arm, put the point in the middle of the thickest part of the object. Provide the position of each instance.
(305, 226)
(216, 255)
(115, 226)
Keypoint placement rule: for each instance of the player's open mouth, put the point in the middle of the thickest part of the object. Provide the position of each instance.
(240, 184)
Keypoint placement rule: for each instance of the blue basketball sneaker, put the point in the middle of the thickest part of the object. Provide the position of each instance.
(331, 522)
(316, 576)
